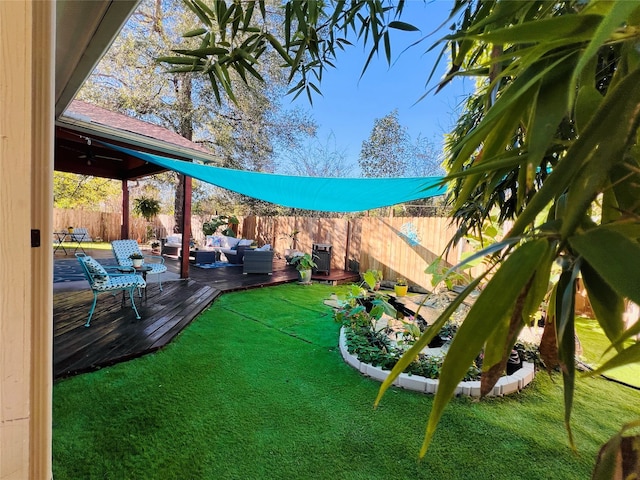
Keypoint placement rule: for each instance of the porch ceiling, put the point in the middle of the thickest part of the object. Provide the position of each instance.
(74, 154)
(84, 32)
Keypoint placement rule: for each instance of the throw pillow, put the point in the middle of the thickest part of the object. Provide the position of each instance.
(228, 242)
(98, 272)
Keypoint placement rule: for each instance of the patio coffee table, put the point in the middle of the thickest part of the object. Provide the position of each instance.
(205, 256)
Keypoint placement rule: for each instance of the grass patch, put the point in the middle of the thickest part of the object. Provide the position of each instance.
(594, 344)
(256, 388)
(86, 245)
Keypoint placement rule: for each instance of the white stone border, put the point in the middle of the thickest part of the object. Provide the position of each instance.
(504, 386)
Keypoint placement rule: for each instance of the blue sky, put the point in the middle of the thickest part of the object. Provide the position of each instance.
(350, 105)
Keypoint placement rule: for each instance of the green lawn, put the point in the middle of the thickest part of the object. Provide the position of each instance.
(594, 344)
(256, 388)
(86, 245)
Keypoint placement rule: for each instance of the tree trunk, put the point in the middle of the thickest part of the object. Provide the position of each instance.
(185, 107)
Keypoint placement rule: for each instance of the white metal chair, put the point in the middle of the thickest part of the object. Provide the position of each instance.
(122, 249)
(100, 281)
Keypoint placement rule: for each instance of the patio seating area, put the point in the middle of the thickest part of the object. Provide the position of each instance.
(116, 335)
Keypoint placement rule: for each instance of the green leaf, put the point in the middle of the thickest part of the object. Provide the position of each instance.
(195, 8)
(565, 331)
(185, 69)
(497, 297)
(248, 13)
(387, 47)
(607, 305)
(549, 110)
(195, 33)
(600, 147)
(510, 103)
(180, 60)
(597, 140)
(616, 17)
(569, 28)
(625, 178)
(615, 257)
(540, 284)
(209, 51)
(205, 8)
(407, 27)
(279, 48)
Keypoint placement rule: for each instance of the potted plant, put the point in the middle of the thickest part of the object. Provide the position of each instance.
(401, 287)
(304, 264)
(228, 221)
(148, 208)
(70, 229)
(289, 252)
(137, 259)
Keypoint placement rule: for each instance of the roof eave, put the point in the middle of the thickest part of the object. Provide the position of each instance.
(85, 30)
(135, 140)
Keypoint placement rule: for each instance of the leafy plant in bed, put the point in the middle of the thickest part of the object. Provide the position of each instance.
(375, 342)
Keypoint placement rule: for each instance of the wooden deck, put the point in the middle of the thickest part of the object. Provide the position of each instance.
(115, 335)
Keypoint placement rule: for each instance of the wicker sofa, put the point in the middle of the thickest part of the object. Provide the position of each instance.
(232, 248)
(258, 261)
(171, 245)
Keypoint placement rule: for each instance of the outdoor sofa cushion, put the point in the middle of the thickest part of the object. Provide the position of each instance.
(223, 241)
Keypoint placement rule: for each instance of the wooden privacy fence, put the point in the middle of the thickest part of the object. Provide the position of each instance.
(106, 226)
(398, 246)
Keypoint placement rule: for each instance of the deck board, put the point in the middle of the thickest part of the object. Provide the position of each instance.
(115, 335)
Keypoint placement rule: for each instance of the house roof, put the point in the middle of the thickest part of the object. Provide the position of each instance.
(84, 32)
(83, 126)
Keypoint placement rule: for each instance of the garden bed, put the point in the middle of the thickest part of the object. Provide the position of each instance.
(504, 386)
(372, 340)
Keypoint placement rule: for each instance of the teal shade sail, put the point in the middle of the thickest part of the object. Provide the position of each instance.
(311, 193)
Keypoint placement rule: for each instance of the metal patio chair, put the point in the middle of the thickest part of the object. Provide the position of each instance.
(101, 281)
(122, 249)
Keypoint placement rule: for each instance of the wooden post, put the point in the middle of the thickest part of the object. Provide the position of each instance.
(346, 247)
(26, 257)
(124, 227)
(186, 227)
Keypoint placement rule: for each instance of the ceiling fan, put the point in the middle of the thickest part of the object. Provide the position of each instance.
(90, 155)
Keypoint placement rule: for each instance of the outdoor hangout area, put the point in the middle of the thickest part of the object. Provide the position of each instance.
(88, 336)
(309, 381)
(320, 240)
